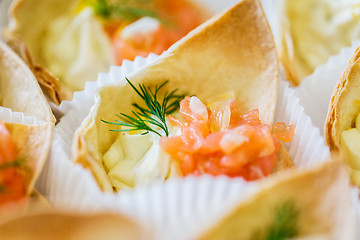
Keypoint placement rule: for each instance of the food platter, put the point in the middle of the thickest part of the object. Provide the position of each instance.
(108, 151)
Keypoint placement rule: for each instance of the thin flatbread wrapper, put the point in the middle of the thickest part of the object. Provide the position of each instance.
(19, 89)
(315, 204)
(344, 104)
(233, 51)
(58, 225)
(32, 144)
(344, 108)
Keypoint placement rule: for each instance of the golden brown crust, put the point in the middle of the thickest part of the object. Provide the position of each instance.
(344, 105)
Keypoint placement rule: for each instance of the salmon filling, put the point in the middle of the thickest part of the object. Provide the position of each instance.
(179, 18)
(216, 139)
(12, 182)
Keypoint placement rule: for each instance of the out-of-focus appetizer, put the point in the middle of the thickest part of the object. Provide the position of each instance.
(314, 30)
(206, 106)
(311, 204)
(23, 151)
(75, 40)
(23, 147)
(343, 122)
(58, 225)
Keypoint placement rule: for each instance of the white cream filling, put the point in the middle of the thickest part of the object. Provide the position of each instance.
(76, 48)
(320, 28)
(135, 160)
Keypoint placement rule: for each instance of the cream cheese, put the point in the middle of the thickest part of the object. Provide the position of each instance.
(76, 48)
(135, 160)
(320, 28)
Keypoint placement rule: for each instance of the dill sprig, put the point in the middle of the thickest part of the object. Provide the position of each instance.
(14, 164)
(285, 224)
(153, 114)
(124, 10)
(17, 163)
(2, 189)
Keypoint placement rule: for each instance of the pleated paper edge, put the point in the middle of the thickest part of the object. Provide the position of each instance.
(7, 115)
(315, 90)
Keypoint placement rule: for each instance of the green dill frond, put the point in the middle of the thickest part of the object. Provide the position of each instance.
(101, 8)
(125, 10)
(153, 115)
(2, 189)
(284, 225)
(14, 164)
(17, 163)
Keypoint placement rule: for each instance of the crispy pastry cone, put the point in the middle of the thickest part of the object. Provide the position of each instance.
(344, 104)
(55, 225)
(19, 89)
(233, 51)
(32, 145)
(311, 204)
(344, 108)
(24, 36)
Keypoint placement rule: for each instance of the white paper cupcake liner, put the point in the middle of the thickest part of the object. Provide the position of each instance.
(178, 208)
(61, 180)
(181, 209)
(7, 115)
(315, 90)
(307, 147)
